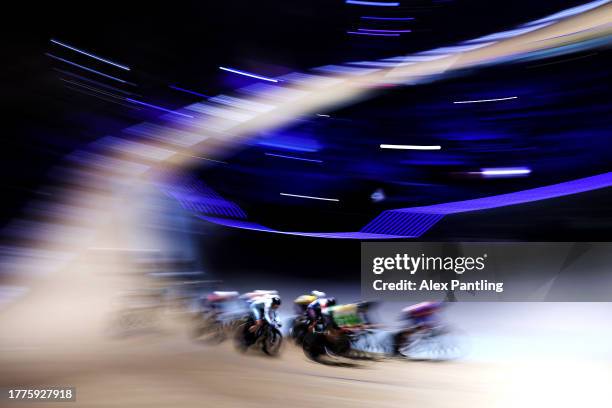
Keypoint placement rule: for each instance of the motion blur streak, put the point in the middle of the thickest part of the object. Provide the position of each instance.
(372, 34)
(236, 71)
(409, 147)
(90, 55)
(309, 197)
(157, 107)
(372, 3)
(176, 88)
(55, 326)
(505, 172)
(387, 18)
(371, 30)
(86, 69)
(282, 156)
(489, 100)
(415, 221)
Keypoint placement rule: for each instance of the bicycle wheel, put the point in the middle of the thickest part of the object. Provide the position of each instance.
(272, 341)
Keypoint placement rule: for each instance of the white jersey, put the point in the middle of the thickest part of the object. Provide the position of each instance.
(261, 307)
(250, 297)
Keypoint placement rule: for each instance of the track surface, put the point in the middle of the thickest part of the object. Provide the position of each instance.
(165, 369)
(524, 355)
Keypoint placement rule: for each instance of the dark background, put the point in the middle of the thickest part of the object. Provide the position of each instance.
(183, 43)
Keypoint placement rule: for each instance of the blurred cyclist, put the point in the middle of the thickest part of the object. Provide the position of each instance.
(215, 303)
(316, 311)
(301, 302)
(250, 297)
(422, 315)
(264, 307)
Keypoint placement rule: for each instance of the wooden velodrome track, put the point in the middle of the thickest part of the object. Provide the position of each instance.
(57, 334)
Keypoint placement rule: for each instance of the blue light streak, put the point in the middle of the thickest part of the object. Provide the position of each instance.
(372, 3)
(176, 88)
(387, 18)
(157, 107)
(88, 69)
(372, 30)
(282, 156)
(372, 34)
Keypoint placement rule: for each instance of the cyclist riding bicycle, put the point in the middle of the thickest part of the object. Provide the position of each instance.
(317, 311)
(250, 297)
(264, 308)
(301, 302)
(424, 315)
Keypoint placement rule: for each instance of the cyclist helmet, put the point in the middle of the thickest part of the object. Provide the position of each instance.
(276, 301)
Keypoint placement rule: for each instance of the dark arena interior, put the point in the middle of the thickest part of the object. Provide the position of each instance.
(195, 194)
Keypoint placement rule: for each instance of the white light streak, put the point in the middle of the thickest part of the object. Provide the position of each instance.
(309, 197)
(489, 100)
(236, 71)
(410, 147)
